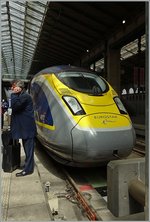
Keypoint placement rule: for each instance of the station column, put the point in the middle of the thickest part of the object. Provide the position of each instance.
(113, 69)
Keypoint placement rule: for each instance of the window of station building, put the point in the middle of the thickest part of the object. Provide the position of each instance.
(132, 48)
(92, 66)
(124, 92)
(131, 91)
(98, 66)
(133, 63)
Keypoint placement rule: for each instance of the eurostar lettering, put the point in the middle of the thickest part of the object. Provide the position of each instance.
(108, 121)
(105, 117)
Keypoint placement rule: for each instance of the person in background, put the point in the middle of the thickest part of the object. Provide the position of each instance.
(4, 107)
(23, 123)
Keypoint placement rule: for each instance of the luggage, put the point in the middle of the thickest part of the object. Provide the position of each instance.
(11, 150)
(6, 138)
(11, 156)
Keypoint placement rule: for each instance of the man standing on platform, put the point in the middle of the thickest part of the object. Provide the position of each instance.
(23, 123)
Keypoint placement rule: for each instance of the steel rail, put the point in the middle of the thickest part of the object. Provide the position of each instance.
(90, 212)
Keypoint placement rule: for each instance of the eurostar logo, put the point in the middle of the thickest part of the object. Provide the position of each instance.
(106, 117)
(108, 121)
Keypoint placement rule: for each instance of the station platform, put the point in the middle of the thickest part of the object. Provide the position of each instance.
(28, 198)
(23, 198)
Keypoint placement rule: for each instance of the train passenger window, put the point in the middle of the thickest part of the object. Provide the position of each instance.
(84, 82)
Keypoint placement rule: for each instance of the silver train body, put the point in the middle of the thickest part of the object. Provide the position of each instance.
(80, 119)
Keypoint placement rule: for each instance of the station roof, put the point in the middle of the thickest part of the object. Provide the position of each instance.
(39, 34)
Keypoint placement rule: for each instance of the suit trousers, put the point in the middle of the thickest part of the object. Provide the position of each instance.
(28, 145)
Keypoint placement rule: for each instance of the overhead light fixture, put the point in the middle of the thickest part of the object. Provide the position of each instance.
(87, 50)
(123, 21)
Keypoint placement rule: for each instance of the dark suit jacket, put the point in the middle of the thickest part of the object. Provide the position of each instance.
(22, 122)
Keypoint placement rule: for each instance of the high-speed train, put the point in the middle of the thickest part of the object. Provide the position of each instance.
(80, 119)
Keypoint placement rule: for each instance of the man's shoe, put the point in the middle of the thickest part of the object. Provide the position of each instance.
(23, 173)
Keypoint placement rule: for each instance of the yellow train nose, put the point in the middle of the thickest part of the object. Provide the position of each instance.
(104, 121)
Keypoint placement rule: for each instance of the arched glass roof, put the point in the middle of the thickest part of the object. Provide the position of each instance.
(21, 24)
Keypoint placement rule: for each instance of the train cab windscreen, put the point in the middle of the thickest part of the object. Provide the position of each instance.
(84, 82)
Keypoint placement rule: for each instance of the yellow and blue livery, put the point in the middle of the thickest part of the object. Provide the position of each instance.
(79, 116)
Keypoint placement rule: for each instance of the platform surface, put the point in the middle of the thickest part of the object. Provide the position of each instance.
(23, 198)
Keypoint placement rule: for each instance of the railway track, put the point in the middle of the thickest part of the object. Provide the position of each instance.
(85, 197)
(82, 191)
(140, 146)
(81, 199)
(92, 203)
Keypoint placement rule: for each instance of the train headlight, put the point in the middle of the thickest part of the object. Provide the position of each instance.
(73, 105)
(120, 105)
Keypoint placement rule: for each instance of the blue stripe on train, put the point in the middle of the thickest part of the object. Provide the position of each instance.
(41, 106)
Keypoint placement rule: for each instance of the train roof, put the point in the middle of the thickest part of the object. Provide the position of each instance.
(62, 68)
